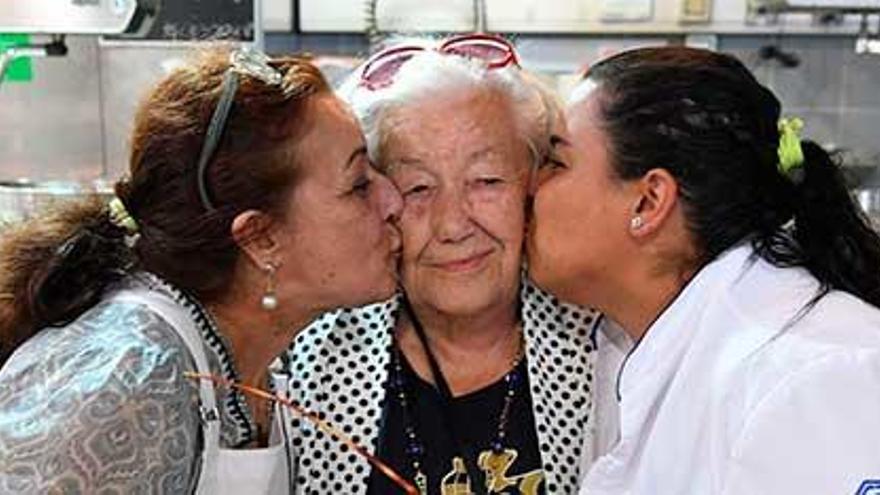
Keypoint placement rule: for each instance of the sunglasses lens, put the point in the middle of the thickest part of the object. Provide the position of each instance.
(480, 51)
(495, 52)
(490, 51)
(381, 71)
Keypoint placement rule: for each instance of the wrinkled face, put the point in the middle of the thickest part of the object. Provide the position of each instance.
(578, 232)
(462, 169)
(339, 244)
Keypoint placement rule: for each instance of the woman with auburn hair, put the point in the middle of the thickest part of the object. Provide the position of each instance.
(250, 209)
(683, 206)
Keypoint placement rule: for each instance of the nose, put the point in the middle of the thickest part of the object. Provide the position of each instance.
(390, 203)
(451, 215)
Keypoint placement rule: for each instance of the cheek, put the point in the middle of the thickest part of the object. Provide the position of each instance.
(502, 214)
(415, 233)
(569, 189)
(560, 214)
(414, 209)
(372, 226)
(358, 222)
(506, 226)
(345, 234)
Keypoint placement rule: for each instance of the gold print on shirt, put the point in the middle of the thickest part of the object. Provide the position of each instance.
(495, 466)
(456, 482)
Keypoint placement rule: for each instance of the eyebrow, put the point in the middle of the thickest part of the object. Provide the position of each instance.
(483, 152)
(355, 155)
(394, 165)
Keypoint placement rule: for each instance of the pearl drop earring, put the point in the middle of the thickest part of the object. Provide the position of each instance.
(269, 300)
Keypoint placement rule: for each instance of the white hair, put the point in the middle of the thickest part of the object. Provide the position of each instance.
(430, 74)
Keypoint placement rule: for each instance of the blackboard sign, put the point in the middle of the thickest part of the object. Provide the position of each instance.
(200, 20)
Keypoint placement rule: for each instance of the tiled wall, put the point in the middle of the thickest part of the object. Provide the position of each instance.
(72, 121)
(834, 90)
(50, 127)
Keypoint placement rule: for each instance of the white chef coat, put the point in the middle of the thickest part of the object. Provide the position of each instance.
(736, 389)
(613, 345)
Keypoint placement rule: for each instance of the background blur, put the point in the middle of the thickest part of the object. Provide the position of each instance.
(65, 117)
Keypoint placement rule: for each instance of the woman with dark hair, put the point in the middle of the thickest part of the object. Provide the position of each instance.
(684, 208)
(251, 208)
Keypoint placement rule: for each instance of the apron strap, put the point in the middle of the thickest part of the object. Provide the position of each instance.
(183, 324)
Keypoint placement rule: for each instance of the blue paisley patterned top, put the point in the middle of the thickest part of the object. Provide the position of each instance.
(101, 405)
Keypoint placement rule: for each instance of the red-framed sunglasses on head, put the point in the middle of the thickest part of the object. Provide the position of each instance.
(495, 51)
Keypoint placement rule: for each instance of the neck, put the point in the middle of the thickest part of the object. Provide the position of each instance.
(472, 350)
(479, 332)
(636, 303)
(257, 336)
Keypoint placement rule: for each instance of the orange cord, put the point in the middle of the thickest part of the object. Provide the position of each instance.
(320, 423)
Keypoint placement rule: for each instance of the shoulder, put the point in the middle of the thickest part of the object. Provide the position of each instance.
(838, 382)
(560, 342)
(116, 339)
(823, 417)
(101, 403)
(547, 318)
(837, 331)
(811, 395)
(843, 321)
(337, 368)
(786, 305)
(341, 351)
(345, 327)
(767, 331)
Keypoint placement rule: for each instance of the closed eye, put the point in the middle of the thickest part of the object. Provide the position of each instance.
(551, 163)
(551, 160)
(416, 190)
(489, 181)
(362, 186)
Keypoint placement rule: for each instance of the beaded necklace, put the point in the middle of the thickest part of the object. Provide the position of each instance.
(415, 448)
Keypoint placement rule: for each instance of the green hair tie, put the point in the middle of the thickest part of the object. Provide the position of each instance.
(120, 217)
(791, 155)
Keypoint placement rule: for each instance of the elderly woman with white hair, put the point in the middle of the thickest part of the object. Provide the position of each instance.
(471, 380)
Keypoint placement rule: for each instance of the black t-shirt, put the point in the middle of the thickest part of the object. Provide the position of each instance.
(476, 416)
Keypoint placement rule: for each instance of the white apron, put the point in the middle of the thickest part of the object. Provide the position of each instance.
(224, 471)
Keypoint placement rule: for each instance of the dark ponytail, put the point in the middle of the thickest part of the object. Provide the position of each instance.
(55, 266)
(705, 118)
(836, 241)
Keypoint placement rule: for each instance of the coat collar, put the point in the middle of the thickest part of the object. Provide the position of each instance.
(739, 290)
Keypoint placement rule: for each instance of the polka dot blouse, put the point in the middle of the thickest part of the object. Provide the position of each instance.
(339, 366)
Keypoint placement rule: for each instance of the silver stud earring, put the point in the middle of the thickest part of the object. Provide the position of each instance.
(636, 222)
(269, 301)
